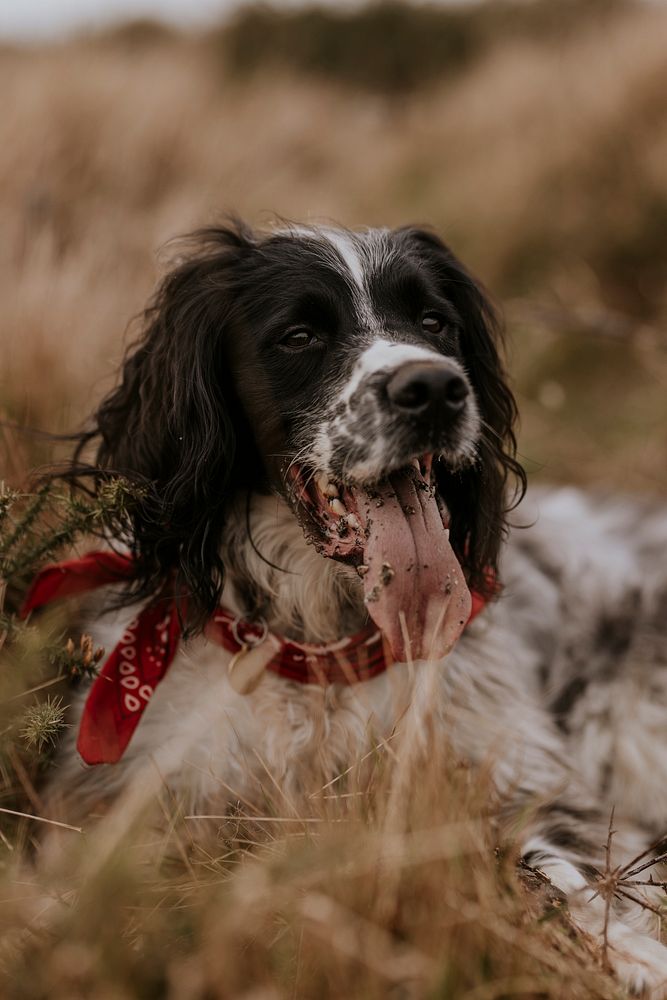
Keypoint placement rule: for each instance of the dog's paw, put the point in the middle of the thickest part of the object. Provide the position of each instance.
(639, 961)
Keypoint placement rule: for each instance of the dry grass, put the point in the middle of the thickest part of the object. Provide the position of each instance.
(544, 166)
(393, 890)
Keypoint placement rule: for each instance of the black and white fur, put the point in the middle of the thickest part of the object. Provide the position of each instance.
(262, 350)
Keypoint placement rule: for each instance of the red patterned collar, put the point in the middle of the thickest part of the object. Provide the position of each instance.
(132, 671)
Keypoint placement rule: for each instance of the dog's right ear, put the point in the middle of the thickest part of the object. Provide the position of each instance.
(172, 424)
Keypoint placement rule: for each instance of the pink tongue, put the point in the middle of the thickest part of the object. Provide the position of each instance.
(414, 587)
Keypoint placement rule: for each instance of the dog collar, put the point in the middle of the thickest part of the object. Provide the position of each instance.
(140, 660)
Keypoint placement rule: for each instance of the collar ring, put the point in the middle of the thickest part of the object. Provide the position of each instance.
(250, 639)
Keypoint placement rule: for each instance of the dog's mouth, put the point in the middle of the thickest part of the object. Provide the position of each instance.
(396, 533)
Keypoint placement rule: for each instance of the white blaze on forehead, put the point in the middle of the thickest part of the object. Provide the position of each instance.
(348, 249)
(383, 355)
(347, 246)
(356, 257)
(360, 256)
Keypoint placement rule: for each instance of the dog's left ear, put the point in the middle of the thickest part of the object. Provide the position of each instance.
(479, 497)
(172, 424)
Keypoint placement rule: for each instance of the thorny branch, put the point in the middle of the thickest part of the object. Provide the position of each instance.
(617, 882)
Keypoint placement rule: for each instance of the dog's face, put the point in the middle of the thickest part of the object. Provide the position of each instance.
(347, 355)
(346, 358)
(354, 373)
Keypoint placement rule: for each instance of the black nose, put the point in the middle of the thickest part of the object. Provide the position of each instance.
(424, 388)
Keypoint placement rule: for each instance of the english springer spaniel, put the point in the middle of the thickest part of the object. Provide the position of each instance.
(322, 431)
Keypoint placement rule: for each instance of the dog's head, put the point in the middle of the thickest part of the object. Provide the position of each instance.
(356, 374)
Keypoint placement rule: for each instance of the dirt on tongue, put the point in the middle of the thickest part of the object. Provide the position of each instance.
(412, 569)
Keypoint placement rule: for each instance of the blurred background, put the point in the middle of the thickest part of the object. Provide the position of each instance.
(531, 133)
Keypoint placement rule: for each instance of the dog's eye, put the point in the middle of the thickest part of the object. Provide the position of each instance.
(433, 322)
(297, 338)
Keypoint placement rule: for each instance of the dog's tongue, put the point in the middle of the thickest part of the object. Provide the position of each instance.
(414, 587)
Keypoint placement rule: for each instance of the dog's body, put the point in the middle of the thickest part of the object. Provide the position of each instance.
(379, 350)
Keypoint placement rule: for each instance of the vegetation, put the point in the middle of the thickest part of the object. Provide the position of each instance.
(390, 46)
(534, 137)
(397, 878)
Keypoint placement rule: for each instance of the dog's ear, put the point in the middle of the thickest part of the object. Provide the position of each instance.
(172, 423)
(480, 496)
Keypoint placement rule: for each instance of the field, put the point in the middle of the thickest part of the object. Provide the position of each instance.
(541, 159)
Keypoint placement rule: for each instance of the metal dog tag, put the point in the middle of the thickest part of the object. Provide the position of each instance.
(246, 668)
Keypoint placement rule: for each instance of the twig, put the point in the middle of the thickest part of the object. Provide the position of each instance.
(607, 895)
(41, 819)
(650, 882)
(40, 687)
(642, 854)
(648, 864)
(24, 778)
(644, 903)
(234, 791)
(25, 522)
(270, 819)
(374, 749)
(281, 791)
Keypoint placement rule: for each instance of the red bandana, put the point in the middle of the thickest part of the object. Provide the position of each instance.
(138, 663)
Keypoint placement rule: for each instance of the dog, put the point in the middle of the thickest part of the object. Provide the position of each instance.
(321, 433)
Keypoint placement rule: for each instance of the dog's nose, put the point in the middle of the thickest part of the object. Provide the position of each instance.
(422, 388)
